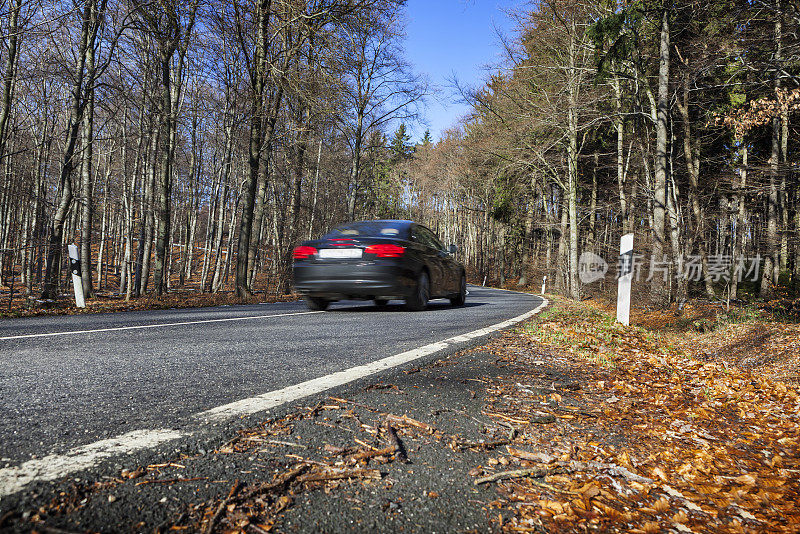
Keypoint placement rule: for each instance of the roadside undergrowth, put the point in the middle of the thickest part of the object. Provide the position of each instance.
(108, 304)
(647, 439)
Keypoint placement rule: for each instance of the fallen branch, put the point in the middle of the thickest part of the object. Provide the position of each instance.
(370, 408)
(340, 475)
(406, 420)
(286, 443)
(170, 464)
(365, 444)
(485, 445)
(338, 451)
(544, 419)
(531, 456)
(170, 480)
(574, 411)
(214, 518)
(397, 445)
(612, 469)
(507, 418)
(537, 472)
(380, 387)
(315, 410)
(283, 479)
(363, 455)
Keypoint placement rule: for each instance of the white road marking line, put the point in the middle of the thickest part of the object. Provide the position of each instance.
(55, 466)
(160, 325)
(318, 385)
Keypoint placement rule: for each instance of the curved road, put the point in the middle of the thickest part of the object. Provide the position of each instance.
(71, 381)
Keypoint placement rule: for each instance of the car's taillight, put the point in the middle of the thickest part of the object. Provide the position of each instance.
(386, 250)
(302, 253)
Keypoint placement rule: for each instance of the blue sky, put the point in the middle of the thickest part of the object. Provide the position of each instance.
(453, 37)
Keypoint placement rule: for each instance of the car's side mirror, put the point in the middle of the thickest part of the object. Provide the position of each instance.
(452, 249)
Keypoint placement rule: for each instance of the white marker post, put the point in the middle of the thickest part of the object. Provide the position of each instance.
(544, 285)
(625, 278)
(77, 283)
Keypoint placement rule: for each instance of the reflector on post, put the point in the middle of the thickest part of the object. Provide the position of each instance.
(75, 269)
(625, 278)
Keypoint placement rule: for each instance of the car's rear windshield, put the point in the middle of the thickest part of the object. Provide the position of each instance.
(369, 229)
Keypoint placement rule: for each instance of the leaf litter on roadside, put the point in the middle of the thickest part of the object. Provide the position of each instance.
(653, 441)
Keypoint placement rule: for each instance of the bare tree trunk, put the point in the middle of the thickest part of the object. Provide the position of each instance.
(103, 230)
(592, 238)
(692, 154)
(41, 160)
(561, 256)
(771, 261)
(10, 72)
(741, 220)
(194, 201)
(314, 192)
(619, 127)
(259, 75)
(145, 247)
(163, 184)
(82, 79)
(173, 43)
(572, 161)
(352, 190)
(661, 164)
(216, 280)
(87, 163)
(784, 194)
(682, 286)
(526, 236)
(231, 226)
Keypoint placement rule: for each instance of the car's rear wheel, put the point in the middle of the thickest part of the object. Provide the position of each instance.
(419, 300)
(381, 302)
(461, 297)
(317, 304)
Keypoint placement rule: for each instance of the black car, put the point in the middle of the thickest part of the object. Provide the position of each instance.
(380, 261)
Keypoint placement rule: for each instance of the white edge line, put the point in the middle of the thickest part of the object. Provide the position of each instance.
(55, 466)
(317, 385)
(160, 325)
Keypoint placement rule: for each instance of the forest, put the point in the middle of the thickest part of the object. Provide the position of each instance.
(192, 144)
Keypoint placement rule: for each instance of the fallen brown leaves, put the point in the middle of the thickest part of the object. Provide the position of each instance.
(675, 443)
(105, 304)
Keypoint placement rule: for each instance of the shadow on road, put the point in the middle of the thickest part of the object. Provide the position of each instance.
(399, 307)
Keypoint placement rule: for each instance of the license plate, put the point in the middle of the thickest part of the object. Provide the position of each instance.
(340, 253)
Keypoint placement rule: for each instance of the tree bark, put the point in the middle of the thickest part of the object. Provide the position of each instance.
(619, 127)
(10, 72)
(90, 23)
(258, 76)
(172, 68)
(572, 161)
(772, 261)
(741, 220)
(87, 163)
(691, 153)
(661, 163)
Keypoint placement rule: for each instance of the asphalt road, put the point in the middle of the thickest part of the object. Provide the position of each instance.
(105, 375)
